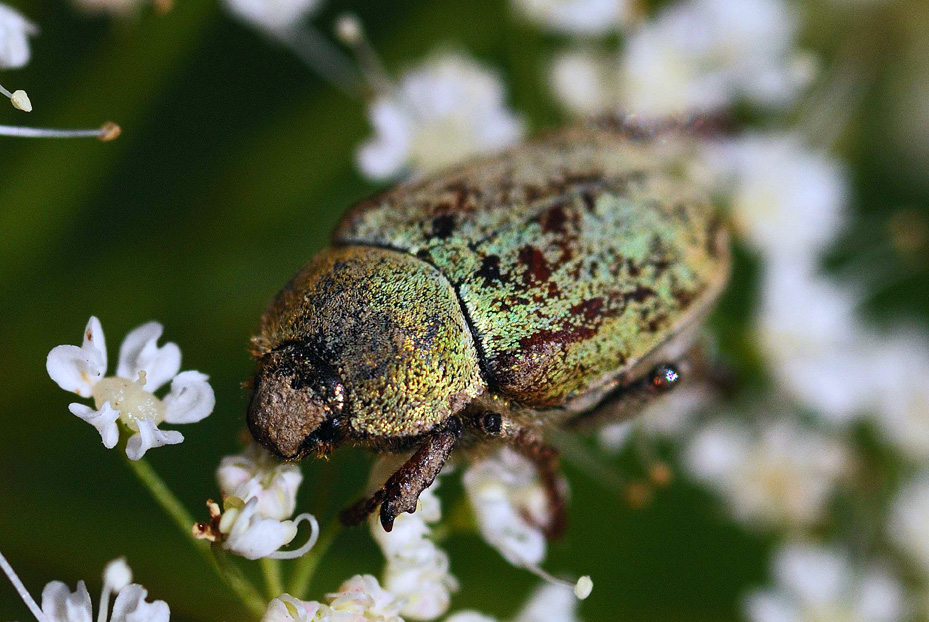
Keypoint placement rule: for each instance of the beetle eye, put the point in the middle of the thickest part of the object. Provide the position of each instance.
(491, 423)
(665, 377)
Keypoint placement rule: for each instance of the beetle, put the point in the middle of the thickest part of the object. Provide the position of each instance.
(561, 283)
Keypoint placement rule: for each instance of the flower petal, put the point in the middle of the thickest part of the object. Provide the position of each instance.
(61, 605)
(252, 536)
(140, 352)
(104, 420)
(130, 606)
(78, 369)
(148, 437)
(191, 398)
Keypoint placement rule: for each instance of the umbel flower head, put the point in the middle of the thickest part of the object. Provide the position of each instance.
(129, 396)
(60, 604)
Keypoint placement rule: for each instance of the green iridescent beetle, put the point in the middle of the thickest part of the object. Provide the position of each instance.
(561, 283)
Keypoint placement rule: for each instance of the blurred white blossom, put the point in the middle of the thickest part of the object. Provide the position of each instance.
(778, 475)
(241, 529)
(15, 31)
(273, 16)
(814, 344)
(60, 604)
(129, 396)
(510, 505)
(444, 111)
(788, 201)
(286, 608)
(578, 17)
(549, 603)
(814, 583)
(258, 474)
(694, 57)
(908, 524)
(901, 369)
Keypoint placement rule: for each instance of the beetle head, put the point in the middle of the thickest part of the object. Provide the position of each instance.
(297, 400)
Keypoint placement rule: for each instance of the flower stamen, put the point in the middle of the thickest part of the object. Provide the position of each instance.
(21, 590)
(105, 133)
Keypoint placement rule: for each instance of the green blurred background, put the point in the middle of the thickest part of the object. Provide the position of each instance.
(234, 165)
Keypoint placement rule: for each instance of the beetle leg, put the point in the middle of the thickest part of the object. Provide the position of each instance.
(401, 491)
(545, 459)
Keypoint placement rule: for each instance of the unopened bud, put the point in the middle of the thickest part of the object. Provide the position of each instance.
(21, 101)
(583, 587)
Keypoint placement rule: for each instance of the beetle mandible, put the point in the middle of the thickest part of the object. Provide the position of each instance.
(560, 283)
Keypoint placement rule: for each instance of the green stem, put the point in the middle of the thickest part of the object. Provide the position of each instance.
(185, 522)
(303, 574)
(271, 568)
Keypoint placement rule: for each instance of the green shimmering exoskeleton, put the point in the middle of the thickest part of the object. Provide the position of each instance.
(556, 284)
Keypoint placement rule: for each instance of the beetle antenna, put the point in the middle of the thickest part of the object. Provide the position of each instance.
(19, 99)
(105, 133)
(350, 32)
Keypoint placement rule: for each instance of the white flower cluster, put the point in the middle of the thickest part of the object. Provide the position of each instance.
(578, 17)
(444, 111)
(779, 475)
(696, 56)
(129, 396)
(510, 506)
(417, 570)
(60, 604)
(813, 582)
(259, 498)
(362, 599)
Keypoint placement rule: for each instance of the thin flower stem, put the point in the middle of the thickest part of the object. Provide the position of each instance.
(162, 494)
(271, 568)
(21, 590)
(303, 574)
(237, 582)
(323, 58)
(105, 133)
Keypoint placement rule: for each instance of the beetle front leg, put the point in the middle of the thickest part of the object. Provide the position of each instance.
(401, 491)
(545, 459)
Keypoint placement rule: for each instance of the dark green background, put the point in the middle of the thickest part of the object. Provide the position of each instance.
(234, 165)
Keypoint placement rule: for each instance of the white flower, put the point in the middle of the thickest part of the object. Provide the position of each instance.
(271, 15)
(901, 366)
(703, 55)
(780, 475)
(286, 608)
(578, 17)
(549, 603)
(510, 505)
(256, 473)
(59, 604)
(417, 571)
(445, 111)
(360, 599)
(143, 368)
(15, 31)
(908, 525)
(584, 82)
(817, 584)
(363, 597)
(245, 532)
(788, 201)
(814, 345)
(469, 616)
